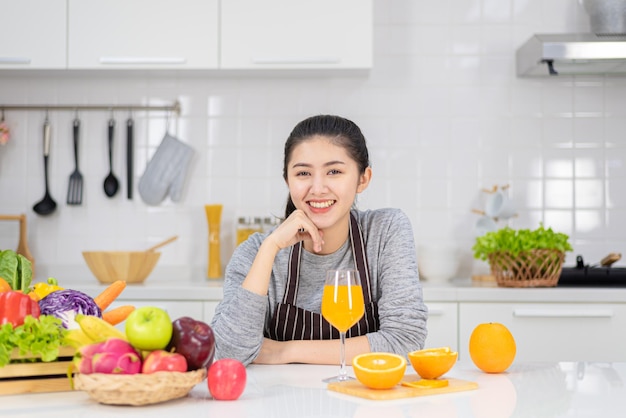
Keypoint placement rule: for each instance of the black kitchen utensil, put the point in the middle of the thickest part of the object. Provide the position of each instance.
(47, 205)
(111, 184)
(75, 187)
(129, 158)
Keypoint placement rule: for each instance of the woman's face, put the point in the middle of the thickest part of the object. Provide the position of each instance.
(323, 181)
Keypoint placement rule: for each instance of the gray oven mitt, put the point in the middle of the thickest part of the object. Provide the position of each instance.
(166, 171)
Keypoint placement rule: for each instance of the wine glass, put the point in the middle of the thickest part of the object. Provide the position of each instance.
(342, 306)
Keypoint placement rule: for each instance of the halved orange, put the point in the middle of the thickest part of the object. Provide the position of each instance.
(379, 370)
(431, 363)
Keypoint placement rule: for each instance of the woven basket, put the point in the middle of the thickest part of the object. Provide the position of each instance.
(138, 389)
(536, 268)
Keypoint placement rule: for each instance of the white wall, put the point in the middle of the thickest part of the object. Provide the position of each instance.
(442, 109)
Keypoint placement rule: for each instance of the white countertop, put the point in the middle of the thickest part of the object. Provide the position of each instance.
(525, 390)
(458, 290)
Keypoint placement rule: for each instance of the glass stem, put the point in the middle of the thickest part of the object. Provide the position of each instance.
(342, 370)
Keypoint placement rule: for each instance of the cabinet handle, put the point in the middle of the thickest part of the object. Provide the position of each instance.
(303, 60)
(435, 312)
(142, 60)
(557, 313)
(14, 60)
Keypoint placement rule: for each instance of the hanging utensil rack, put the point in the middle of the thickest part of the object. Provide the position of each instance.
(174, 107)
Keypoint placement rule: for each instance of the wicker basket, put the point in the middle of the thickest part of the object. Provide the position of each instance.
(536, 268)
(138, 389)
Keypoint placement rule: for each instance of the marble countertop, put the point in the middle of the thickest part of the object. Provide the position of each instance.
(539, 390)
(456, 290)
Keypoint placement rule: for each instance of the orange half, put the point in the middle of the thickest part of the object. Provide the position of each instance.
(379, 370)
(432, 363)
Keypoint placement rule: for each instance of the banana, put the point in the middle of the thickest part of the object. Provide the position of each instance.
(98, 329)
(76, 338)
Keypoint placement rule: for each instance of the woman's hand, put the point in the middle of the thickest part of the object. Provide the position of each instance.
(297, 227)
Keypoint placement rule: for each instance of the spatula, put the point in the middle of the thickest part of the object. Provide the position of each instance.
(75, 187)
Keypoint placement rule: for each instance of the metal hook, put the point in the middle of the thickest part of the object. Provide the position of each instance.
(2, 116)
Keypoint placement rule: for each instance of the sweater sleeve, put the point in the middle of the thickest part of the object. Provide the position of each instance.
(401, 309)
(239, 318)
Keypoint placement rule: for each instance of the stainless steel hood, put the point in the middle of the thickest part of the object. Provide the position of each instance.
(572, 54)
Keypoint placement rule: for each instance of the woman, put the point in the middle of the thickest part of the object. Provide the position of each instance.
(273, 283)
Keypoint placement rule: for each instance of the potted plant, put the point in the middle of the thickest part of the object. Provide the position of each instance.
(523, 258)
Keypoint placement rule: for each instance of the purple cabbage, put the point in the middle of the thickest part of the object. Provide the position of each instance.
(66, 304)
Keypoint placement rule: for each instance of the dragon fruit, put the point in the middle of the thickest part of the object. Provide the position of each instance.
(113, 356)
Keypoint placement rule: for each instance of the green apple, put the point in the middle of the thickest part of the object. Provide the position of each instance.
(149, 328)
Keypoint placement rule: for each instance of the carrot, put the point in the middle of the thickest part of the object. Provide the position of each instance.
(116, 315)
(108, 295)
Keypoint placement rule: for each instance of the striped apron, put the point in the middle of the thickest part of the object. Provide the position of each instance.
(293, 323)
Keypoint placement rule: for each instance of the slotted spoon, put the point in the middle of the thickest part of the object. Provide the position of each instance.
(75, 187)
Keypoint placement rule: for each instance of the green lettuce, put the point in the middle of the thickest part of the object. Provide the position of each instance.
(42, 337)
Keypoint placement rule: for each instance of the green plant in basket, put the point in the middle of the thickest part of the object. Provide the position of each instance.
(523, 257)
(517, 241)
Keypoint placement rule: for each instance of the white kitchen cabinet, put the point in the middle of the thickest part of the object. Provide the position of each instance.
(296, 34)
(442, 325)
(143, 34)
(553, 331)
(33, 34)
(209, 310)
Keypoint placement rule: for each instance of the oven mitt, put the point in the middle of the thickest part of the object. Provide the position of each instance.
(166, 171)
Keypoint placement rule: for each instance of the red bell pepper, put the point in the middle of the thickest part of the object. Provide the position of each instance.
(15, 306)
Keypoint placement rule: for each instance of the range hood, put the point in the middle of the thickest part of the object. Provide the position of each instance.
(572, 54)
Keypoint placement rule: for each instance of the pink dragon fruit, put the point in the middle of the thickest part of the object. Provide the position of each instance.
(113, 356)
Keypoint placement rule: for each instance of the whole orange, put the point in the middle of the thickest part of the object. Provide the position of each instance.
(492, 347)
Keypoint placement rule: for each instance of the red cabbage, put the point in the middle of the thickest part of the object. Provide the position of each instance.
(66, 304)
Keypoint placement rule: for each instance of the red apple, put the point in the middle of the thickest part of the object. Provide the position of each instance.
(193, 339)
(161, 360)
(226, 379)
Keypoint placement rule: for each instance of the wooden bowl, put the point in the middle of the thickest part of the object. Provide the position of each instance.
(131, 266)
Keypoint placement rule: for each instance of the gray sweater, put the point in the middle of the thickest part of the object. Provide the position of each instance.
(241, 316)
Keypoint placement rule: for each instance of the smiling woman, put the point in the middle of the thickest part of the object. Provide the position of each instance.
(274, 281)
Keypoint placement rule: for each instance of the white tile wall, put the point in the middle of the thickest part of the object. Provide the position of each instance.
(443, 111)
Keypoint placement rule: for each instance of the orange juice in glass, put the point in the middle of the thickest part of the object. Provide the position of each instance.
(342, 307)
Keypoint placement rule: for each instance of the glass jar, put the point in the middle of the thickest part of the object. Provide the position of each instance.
(270, 222)
(246, 226)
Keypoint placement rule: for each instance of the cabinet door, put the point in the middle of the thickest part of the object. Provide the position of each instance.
(442, 326)
(553, 332)
(291, 34)
(33, 34)
(146, 34)
(209, 310)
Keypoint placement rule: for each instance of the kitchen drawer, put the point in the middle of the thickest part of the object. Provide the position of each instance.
(553, 331)
(442, 325)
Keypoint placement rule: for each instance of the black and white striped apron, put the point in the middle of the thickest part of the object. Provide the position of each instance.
(293, 323)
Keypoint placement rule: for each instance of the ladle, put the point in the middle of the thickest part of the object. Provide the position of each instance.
(111, 184)
(47, 205)
(162, 243)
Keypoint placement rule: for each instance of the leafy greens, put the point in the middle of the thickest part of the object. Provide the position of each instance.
(517, 241)
(41, 336)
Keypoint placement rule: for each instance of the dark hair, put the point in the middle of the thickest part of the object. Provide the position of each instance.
(341, 131)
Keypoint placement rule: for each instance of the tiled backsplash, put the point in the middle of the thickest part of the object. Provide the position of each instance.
(442, 109)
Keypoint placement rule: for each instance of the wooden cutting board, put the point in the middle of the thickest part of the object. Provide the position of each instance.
(356, 388)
